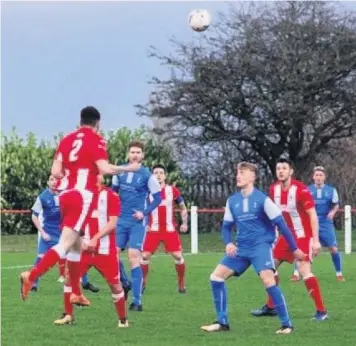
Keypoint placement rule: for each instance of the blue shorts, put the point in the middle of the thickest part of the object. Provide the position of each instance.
(327, 236)
(44, 246)
(130, 234)
(261, 258)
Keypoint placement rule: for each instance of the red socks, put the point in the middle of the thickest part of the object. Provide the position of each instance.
(145, 269)
(120, 304)
(68, 307)
(313, 287)
(180, 269)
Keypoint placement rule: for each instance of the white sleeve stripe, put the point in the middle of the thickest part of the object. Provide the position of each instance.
(335, 198)
(153, 184)
(271, 209)
(115, 180)
(37, 207)
(228, 215)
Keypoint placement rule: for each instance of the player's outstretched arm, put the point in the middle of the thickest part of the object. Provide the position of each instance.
(107, 168)
(155, 190)
(276, 217)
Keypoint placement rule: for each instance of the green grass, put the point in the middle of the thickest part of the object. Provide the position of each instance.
(170, 318)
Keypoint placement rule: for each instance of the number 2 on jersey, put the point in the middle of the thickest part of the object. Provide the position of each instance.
(73, 155)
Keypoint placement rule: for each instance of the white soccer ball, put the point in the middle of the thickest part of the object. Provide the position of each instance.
(199, 20)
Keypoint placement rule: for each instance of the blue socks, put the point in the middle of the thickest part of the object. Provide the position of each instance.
(136, 282)
(123, 276)
(38, 259)
(219, 292)
(280, 305)
(85, 279)
(336, 257)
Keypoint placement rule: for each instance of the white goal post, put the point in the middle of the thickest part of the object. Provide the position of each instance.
(194, 229)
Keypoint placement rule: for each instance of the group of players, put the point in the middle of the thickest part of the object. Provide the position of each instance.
(80, 216)
(89, 214)
(304, 218)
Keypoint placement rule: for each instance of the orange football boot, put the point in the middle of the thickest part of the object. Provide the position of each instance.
(26, 285)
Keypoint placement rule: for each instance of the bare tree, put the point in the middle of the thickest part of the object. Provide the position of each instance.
(277, 80)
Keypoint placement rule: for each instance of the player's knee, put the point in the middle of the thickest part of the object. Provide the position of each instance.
(221, 273)
(178, 257)
(304, 269)
(216, 277)
(333, 249)
(178, 260)
(117, 296)
(267, 277)
(146, 256)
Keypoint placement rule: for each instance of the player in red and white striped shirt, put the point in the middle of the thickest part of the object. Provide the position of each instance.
(162, 228)
(298, 208)
(80, 157)
(99, 251)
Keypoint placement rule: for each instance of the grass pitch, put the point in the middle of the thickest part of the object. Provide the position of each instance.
(170, 318)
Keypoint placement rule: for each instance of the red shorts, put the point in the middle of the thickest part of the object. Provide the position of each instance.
(282, 252)
(106, 265)
(171, 241)
(76, 206)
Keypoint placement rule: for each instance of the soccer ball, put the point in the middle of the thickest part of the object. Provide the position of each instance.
(199, 20)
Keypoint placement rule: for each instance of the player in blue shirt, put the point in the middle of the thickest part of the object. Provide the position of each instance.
(47, 219)
(326, 204)
(255, 217)
(134, 189)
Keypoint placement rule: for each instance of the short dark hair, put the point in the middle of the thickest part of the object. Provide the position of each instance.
(137, 144)
(89, 116)
(158, 165)
(287, 161)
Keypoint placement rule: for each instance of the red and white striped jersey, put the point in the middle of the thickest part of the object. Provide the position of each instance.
(79, 152)
(294, 203)
(108, 204)
(162, 218)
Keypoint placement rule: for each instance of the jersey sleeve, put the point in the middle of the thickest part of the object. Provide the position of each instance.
(335, 197)
(115, 183)
(271, 209)
(228, 214)
(100, 150)
(153, 184)
(177, 195)
(37, 208)
(114, 204)
(305, 198)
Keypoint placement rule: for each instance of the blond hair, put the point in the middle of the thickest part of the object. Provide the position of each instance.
(248, 165)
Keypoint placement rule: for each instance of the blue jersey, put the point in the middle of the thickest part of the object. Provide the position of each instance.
(252, 217)
(47, 204)
(135, 188)
(325, 198)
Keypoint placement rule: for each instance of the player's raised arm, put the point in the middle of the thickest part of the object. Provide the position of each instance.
(275, 215)
(228, 223)
(155, 191)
